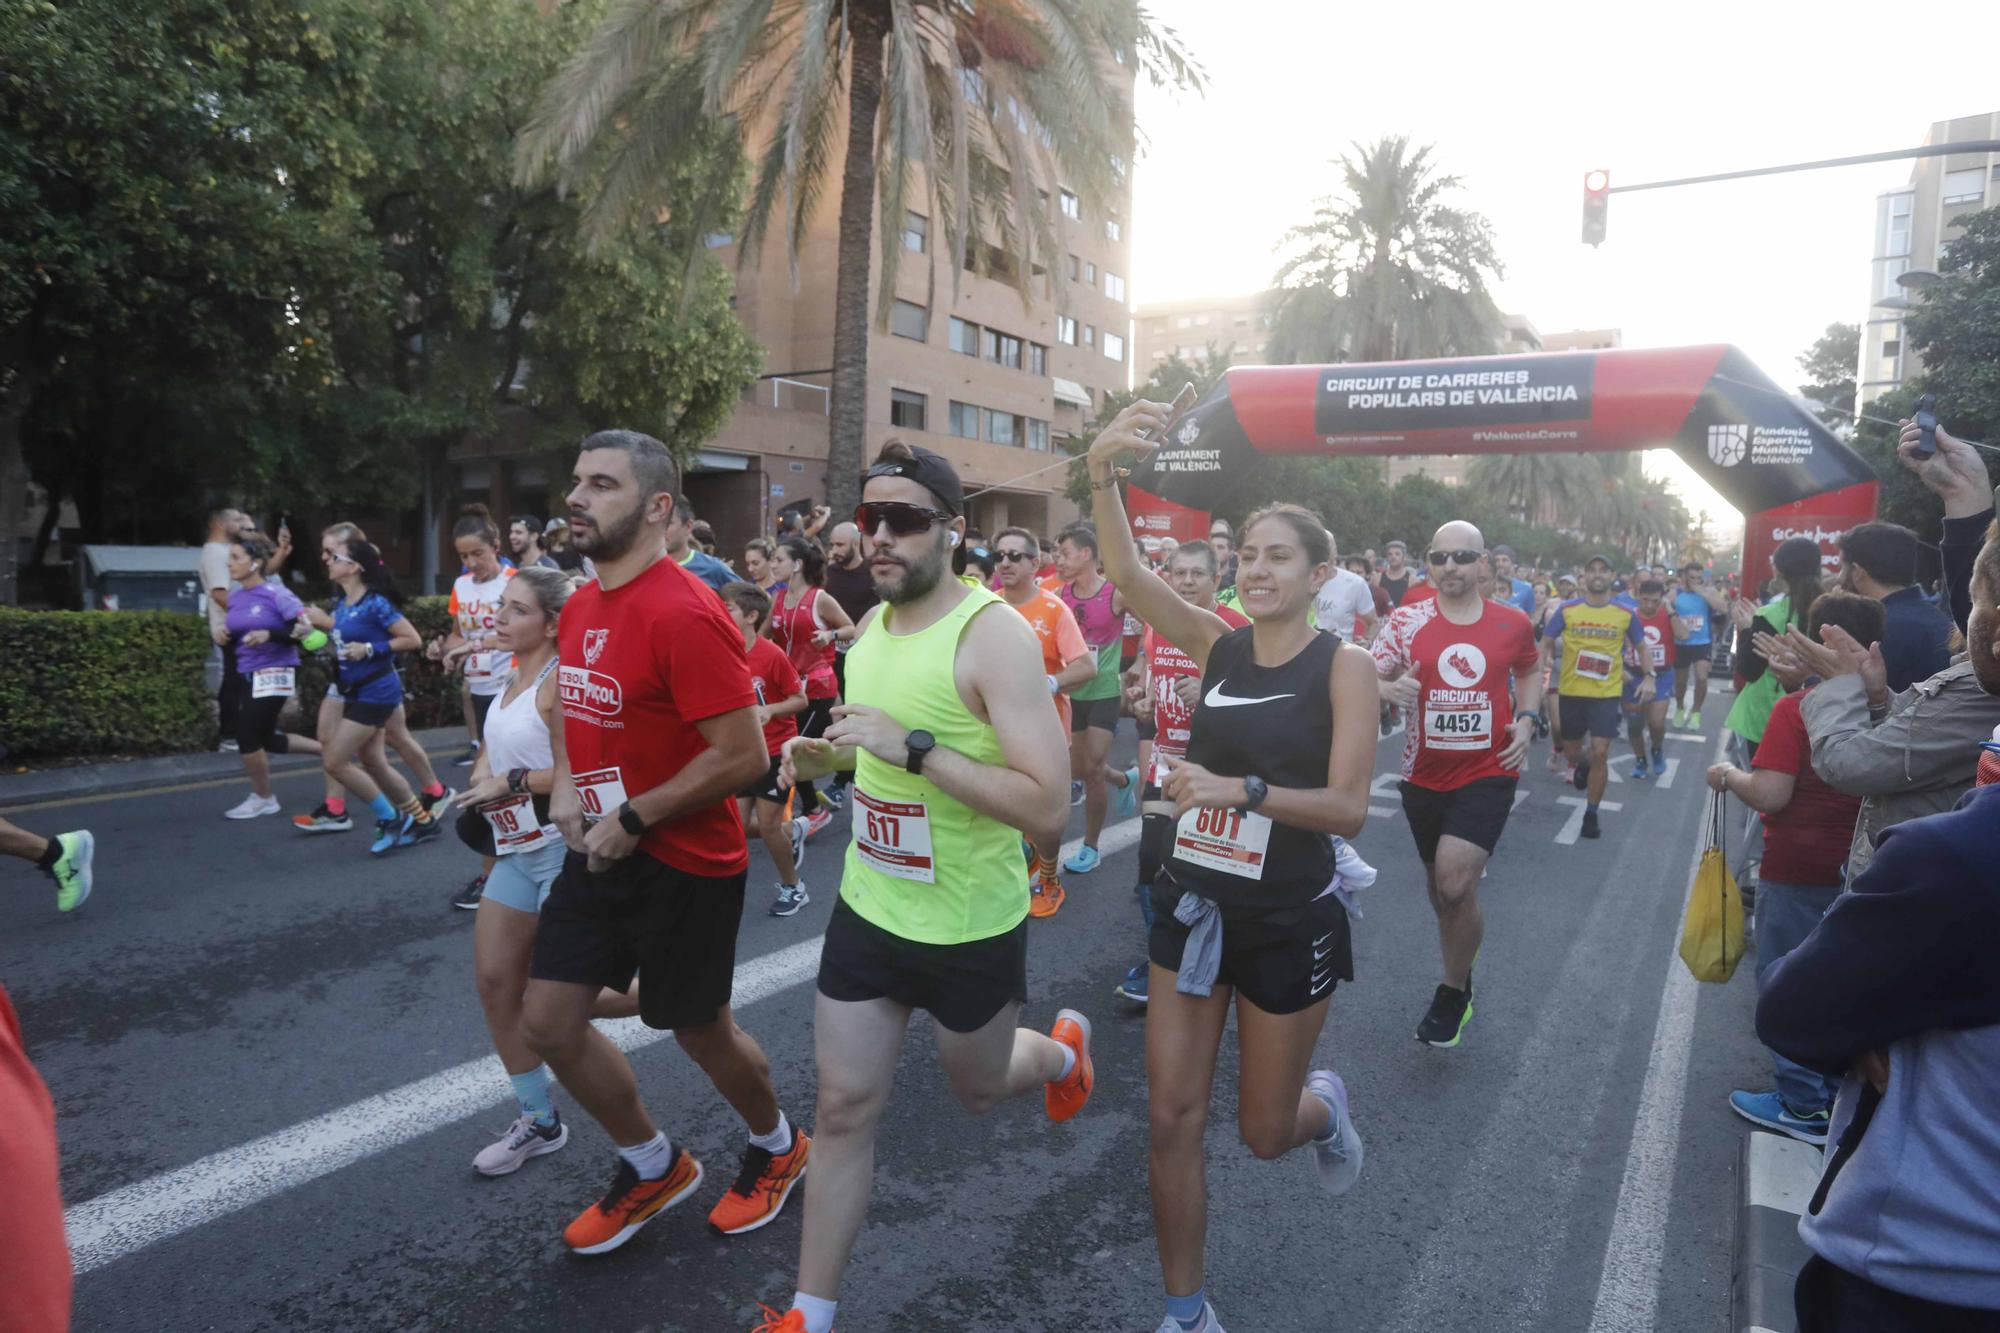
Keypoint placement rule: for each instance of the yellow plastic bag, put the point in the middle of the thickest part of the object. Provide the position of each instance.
(1712, 939)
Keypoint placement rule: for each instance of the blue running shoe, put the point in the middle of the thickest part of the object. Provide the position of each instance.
(387, 833)
(1767, 1110)
(1125, 801)
(1133, 987)
(1640, 772)
(1659, 761)
(1076, 791)
(1085, 860)
(414, 833)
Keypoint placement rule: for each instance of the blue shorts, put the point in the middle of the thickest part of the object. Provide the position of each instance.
(1663, 686)
(522, 881)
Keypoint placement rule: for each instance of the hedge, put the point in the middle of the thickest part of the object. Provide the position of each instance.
(134, 682)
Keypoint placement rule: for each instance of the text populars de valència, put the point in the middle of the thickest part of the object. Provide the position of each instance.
(1480, 388)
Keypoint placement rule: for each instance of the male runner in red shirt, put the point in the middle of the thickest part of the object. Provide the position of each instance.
(1464, 746)
(659, 733)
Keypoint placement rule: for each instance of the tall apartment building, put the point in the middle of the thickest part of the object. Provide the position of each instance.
(1913, 225)
(1234, 326)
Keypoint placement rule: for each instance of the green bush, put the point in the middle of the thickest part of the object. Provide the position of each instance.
(133, 682)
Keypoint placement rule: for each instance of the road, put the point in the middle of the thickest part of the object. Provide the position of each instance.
(271, 1076)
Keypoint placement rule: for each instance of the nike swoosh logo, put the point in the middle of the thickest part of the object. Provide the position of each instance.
(1320, 953)
(1321, 983)
(1215, 698)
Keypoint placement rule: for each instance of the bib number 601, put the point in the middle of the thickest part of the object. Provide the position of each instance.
(1219, 823)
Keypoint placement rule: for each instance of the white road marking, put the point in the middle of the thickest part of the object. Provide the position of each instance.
(1519, 796)
(1628, 1286)
(1611, 773)
(1381, 812)
(1572, 827)
(129, 1218)
(1687, 736)
(1386, 786)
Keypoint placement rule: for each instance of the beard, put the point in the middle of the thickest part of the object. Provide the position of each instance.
(919, 578)
(609, 542)
(1979, 635)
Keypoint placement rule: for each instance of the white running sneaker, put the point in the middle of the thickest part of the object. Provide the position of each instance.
(523, 1139)
(252, 806)
(1209, 1323)
(796, 829)
(1339, 1159)
(1357, 872)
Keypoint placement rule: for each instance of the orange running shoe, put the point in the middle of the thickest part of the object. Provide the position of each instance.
(1045, 898)
(773, 1322)
(1066, 1097)
(630, 1204)
(761, 1187)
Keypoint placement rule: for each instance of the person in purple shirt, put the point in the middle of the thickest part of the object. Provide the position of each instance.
(264, 626)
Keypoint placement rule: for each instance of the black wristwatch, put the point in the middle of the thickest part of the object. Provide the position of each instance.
(628, 819)
(1255, 789)
(920, 743)
(517, 780)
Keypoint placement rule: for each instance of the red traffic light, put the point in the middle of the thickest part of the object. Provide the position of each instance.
(1596, 182)
(1596, 205)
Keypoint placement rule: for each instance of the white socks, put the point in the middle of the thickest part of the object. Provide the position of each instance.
(778, 1139)
(818, 1313)
(1069, 1064)
(651, 1158)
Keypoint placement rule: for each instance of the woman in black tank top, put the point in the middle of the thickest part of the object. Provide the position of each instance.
(1280, 754)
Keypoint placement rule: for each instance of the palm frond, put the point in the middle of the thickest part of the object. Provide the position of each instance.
(634, 38)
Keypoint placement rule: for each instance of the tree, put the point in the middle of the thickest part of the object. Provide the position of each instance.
(1830, 366)
(973, 110)
(1388, 270)
(1162, 386)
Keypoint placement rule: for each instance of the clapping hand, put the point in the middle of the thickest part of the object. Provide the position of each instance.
(1838, 654)
(1780, 660)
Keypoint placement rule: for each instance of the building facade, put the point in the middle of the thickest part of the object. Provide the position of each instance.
(1233, 327)
(1913, 226)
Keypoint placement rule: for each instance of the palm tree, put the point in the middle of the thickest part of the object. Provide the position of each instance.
(978, 109)
(1387, 270)
(1547, 489)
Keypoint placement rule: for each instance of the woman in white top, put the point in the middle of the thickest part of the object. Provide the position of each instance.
(470, 643)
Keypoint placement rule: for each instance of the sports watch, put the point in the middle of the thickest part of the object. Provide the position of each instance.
(628, 819)
(920, 743)
(1255, 789)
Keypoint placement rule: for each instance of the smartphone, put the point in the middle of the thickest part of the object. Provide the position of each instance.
(1183, 403)
(1926, 420)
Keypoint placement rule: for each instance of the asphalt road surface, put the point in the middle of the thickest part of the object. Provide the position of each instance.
(271, 1076)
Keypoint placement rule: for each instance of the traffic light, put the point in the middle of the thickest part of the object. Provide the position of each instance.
(1596, 205)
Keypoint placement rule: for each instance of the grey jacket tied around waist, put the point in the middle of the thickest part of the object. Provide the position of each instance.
(1201, 956)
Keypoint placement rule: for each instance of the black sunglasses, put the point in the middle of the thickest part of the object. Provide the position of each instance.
(905, 520)
(1025, 557)
(1437, 558)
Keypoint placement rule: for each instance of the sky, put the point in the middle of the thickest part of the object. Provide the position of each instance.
(1520, 100)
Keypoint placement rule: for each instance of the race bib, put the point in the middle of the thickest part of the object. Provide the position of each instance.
(894, 837)
(485, 666)
(1236, 842)
(1594, 666)
(1658, 653)
(515, 828)
(1458, 726)
(274, 683)
(599, 793)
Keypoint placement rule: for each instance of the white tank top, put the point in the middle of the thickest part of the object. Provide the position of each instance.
(516, 735)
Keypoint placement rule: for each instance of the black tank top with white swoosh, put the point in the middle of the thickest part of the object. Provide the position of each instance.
(1277, 723)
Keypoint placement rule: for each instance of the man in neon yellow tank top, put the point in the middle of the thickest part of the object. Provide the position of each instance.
(956, 750)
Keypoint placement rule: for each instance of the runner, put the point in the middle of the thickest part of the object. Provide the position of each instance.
(1094, 706)
(807, 622)
(781, 697)
(848, 580)
(1565, 591)
(1589, 634)
(64, 858)
(1648, 712)
(1067, 663)
(955, 747)
(1345, 603)
(263, 624)
(1463, 748)
(757, 553)
(524, 535)
(1697, 606)
(659, 732)
(332, 816)
(1397, 574)
(1171, 690)
(683, 547)
(369, 628)
(1280, 751)
(475, 598)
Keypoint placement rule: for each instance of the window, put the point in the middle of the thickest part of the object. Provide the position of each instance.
(1090, 273)
(1038, 359)
(1964, 187)
(1003, 349)
(1075, 268)
(1118, 168)
(1891, 270)
(909, 320)
(1089, 335)
(715, 240)
(908, 410)
(1184, 322)
(1003, 427)
(964, 337)
(1897, 241)
(1072, 207)
(965, 421)
(1892, 347)
(1038, 435)
(1114, 230)
(1114, 286)
(916, 231)
(1065, 330)
(1114, 345)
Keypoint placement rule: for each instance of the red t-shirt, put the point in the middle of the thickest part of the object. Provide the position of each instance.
(34, 1263)
(1166, 664)
(793, 627)
(1418, 594)
(775, 680)
(640, 666)
(1466, 702)
(1659, 631)
(1807, 841)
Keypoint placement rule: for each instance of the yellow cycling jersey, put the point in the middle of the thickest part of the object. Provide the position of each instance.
(1593, 647)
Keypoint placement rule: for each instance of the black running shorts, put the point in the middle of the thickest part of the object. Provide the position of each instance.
(642, 916)
(1474, 813)
(962, 986)
(1282, 961)
(766, 788)
(1099, 713)
(1687, 654)
(1604, 719)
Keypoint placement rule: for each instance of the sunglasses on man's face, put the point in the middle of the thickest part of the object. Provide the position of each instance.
(1011, 557)
(1438, 558)
(904, 520)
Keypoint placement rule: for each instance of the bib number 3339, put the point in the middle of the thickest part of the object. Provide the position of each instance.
(894, 837)
(1236, 842)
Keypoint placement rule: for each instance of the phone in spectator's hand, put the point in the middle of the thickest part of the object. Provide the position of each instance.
(1926, 420)
(1183, 403)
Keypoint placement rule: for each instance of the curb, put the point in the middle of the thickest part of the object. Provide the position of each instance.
(144, 774)
(1776, 1177)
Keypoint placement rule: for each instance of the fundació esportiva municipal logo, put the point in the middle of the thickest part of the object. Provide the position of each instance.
(1727, 445)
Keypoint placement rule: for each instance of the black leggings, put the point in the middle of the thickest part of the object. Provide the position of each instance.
(813, 724)
(482, 704)
(257, 721)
